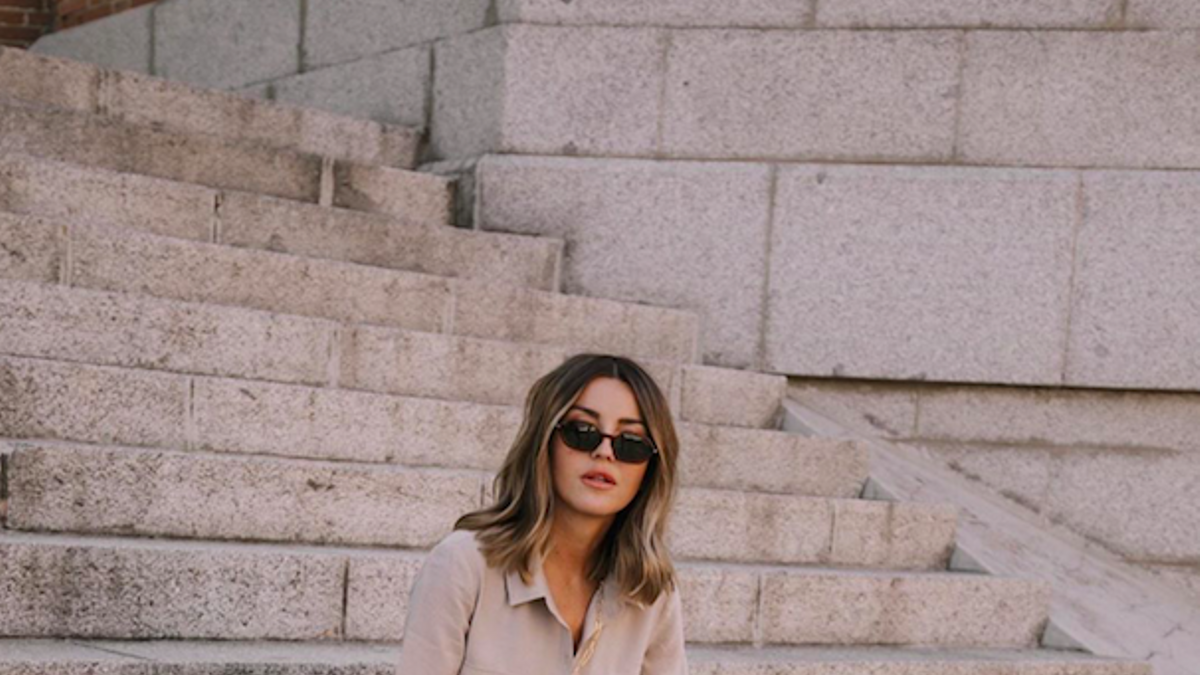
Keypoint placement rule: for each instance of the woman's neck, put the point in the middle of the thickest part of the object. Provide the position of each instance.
(574, 539)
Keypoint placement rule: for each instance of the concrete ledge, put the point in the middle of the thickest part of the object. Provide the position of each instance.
(734, 397)
(240, 591)
(335, 35)
(196, 657)
(392, 87)
(73, 193)
(1044, 98)
(146, 100)
(44, 321)
(682, 234)
(109, 588)
(227, 43)
(1110, 608)
(153, 492)
(121, 41)
(96, 404)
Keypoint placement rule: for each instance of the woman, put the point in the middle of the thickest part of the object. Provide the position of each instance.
(566, 572)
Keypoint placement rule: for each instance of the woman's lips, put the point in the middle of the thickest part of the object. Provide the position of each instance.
(597, 481)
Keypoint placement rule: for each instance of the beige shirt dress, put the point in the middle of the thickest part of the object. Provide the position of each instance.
(467, 618)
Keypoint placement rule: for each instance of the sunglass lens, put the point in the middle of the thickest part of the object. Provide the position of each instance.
(581, 436)
(632, 449)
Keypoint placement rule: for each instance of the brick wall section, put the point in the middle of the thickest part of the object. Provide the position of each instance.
(71, 13)
(23, 21)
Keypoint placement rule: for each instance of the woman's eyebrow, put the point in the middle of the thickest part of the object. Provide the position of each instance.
(593, 413)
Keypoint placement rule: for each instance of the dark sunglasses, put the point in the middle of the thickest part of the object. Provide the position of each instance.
(627, 447)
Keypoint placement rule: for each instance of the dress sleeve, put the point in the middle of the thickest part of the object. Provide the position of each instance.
(440, 608)
(665, 655)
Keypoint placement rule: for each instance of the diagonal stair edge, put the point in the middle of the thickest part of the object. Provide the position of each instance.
(1103, 604)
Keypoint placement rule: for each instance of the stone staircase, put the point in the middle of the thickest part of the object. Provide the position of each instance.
(249, 373)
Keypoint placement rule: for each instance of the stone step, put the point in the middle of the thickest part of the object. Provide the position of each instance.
(128, 262)
(110, 143)
(71, 586)
(55, 400)
(805, 15)
(119, 657)
(166, 493)
(991, 97)
(36, 186)
(146, 100)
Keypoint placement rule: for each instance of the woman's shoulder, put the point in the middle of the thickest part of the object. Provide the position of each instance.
(460, 548)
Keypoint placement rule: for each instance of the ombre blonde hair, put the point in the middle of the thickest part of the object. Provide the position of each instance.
(516, 526)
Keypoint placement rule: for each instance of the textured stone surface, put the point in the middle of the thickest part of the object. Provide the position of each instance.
(892, 535)
(371, 239)
(944, 610)
(683, 235)
(22, 656)
(592, 91)
(1139, 503)
(151, 101)
(256, 417)
(747, 527)
(1166, 14)
(109, 259)
(1136, 318)
(1063, 417)
(428, 365)
(1183, 577)
(921, 273)
(682, 13)
(72, 192)
(519, 315)
(334, 35)
(412, 196)
(846, 95)
(50, 400)
(968, 13)
(731, 397)
(468, 95)
(719, 603)
(121, 491)
(32, 248)
(110, 657)
(93, 404)
(38, 186)
(880, 410)
(121, 589)
(1101, 603)
(112, 144)
(29, 77)
(121, 41)
(226, 43)
(1082, 98)
(392, 87)
(770, 461)
(113, 329)
(705, 660)
(377, 590)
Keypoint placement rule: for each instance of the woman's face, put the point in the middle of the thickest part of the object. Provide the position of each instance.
(609, 405)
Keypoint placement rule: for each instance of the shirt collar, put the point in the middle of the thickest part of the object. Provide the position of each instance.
(520, 592)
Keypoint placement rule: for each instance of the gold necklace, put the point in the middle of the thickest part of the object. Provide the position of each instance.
(589, 649)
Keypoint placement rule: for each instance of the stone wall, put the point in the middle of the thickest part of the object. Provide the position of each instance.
(991, 194)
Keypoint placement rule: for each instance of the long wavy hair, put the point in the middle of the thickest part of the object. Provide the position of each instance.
(516, 526)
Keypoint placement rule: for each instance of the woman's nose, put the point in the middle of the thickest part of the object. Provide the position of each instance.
(605, 449)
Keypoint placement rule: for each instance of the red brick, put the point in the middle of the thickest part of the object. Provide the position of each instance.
(20, 33)
(24, 4)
